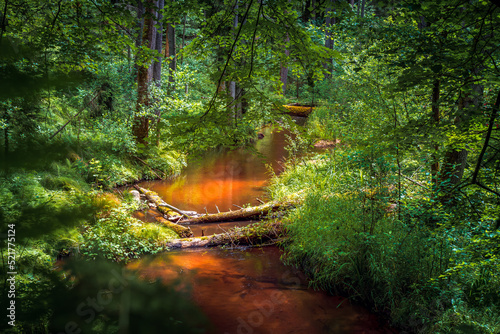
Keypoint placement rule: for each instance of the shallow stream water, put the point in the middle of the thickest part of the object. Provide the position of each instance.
(245, 290)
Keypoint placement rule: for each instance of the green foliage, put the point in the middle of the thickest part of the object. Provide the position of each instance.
(120, 237)
(410, 260)
(39, 210)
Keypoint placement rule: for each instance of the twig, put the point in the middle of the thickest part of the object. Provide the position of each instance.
(75, 115)
(237, 206)
(228, 234)
(212, 101)
(486, 140)
(260, 201)
(160, 201)
(158, 176)
(217, 208)
(416, 182)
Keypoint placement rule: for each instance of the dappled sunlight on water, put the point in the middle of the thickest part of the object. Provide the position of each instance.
(251, 291)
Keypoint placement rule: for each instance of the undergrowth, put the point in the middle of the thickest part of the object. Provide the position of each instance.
(404, 256)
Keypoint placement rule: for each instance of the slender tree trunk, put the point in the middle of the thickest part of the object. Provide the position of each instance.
(232, 84)
(314, 12)
(3, 19)
(435, 120)
(183, 44)
(363, 8)
(152, 42)
(158, 45)
(329, 21)
(306, 16)
(454, 161)
(140, 33)
(284, 69)
(157, 64)
(140, 128)
(6, 135)
(167, 41)
(172, 55)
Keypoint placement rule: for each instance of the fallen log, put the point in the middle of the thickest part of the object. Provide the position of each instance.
(243, 236)
(161, 205)
(182, 231)
(245, 213)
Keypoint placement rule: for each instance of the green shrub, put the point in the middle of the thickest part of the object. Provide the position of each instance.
(119, 237)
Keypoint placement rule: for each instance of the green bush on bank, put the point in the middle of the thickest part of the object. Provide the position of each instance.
(119, 237)
(354, 235)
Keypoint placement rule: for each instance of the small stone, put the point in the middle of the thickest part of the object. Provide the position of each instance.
(136, 194)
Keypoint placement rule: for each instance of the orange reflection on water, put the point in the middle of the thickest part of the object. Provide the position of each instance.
(253, 292)
(223, 179)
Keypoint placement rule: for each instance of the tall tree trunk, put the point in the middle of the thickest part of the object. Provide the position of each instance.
(183, 43)
(314, 13)
(283, 68)
(140, 128)
(306, 15)
(329, 21)
(157, 64)
(152, 42)
(140, 32)
(454, 161)
(363, 8)
(172, 55)
(232, 84)
(158, 45)
(3, 20)
(435, 120)
(167, 41)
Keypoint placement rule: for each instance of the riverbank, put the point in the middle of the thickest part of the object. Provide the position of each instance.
(356, 237)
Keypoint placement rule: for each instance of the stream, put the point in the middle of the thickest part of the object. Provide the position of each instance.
(245, 290)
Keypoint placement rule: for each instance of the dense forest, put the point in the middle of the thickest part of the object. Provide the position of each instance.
(401, 214)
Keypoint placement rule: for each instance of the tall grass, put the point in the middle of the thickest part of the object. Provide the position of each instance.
(355, 235)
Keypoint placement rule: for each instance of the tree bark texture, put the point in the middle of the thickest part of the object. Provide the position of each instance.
(329, 21)
(158, 44)
(140, 29)
(435, 120)
(246, 237)
(172, 55)
(284, 69)
(182, 231)
(245, 213)
(140, 128)
(232, 84)
(454, 161)
(161, 205)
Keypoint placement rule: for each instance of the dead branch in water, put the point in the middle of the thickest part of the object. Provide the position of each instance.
(160, 203)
